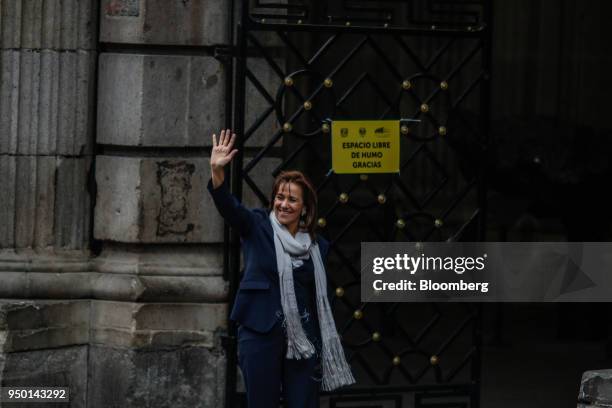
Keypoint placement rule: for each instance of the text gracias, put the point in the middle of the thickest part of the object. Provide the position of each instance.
(366, 155)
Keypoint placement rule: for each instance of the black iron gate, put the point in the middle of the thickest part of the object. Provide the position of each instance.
(301, 63)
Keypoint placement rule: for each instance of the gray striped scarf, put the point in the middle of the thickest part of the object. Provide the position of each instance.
(336, 371)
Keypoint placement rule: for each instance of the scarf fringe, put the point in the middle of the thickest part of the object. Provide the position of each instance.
(336, 371)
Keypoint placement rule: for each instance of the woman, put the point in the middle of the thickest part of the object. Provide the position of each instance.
(286, 328)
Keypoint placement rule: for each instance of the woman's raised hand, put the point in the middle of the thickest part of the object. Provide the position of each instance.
(222, 152)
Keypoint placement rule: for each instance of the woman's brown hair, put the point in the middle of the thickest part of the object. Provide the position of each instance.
(308, 221)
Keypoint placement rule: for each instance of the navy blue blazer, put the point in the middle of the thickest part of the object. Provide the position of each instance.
(258, 297)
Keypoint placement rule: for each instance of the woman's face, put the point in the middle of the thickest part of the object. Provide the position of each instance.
(288, 205)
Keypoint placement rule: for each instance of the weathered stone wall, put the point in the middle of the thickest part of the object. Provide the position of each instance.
(48, 57)
(115, 354)
(155, 341)
(138, 323)
(46, 344)
(47, 61)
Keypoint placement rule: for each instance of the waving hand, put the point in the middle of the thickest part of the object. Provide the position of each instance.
(222, 152)
(221, 155)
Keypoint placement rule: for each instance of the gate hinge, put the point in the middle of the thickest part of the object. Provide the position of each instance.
(224, 52)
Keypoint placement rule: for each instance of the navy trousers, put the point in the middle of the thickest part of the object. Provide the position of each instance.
(268, 374)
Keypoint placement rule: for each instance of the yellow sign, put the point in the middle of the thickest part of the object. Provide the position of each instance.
(365, 146)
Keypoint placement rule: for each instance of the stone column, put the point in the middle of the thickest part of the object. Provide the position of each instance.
(46, 136)
(48, 56)
(161, 300)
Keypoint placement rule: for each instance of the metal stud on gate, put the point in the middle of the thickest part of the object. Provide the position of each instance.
(434, 360)
(325, 128)
(424, 108)
(397, 360)
(328, 83)
(400, 223)
(343, 198)
(406, 84)
(442, 130)
(287, 127)
(363, 177)
(288, 81)
(339, 291)
(444, 85)
(381, 198)
(321, 222)
(357, 314)
(404, 130)
(376, 336)
(438, 223)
